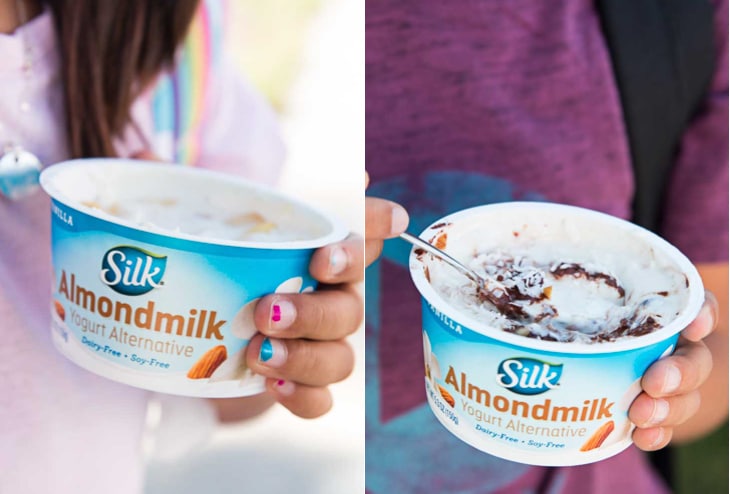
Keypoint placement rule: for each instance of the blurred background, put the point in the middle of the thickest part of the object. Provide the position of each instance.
(307, 58)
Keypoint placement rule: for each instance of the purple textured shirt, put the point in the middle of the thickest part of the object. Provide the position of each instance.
(495, 101)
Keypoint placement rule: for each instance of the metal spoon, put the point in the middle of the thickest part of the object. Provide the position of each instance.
(492, 290)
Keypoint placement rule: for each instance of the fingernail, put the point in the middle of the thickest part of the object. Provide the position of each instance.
(285, 388)
(672, 379)
(338, 260)
(710, 310)
(272, 353)
(283, 314)
(711, 301)
(660, 413)
(659, 438)
(399, 220)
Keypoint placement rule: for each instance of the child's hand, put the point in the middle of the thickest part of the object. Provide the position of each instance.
(671, 386)
(302, 347)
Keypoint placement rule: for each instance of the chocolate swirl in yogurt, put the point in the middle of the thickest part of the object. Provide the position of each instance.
(555, 301)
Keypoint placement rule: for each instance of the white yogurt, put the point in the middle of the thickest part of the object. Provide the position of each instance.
(565, 294)
(205, 205)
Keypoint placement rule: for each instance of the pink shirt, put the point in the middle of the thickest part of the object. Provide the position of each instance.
(63, 429)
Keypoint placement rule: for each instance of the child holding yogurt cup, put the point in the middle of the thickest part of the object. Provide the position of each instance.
(669, 404)
(64, 97)
(481, 102)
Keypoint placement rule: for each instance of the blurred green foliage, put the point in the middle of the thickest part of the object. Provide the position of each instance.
(702, 466)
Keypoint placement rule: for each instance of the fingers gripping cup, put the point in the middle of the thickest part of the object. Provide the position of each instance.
(157, 269)
(544, 370)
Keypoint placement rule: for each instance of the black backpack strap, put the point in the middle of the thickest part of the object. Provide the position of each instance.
(663, 59)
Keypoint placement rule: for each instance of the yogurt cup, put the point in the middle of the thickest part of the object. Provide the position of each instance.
(524, 399)
(157, 268)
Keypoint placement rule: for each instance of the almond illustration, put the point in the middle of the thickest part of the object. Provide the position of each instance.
(447, 396)
(59, 310)
(208, 363)
(598, 437)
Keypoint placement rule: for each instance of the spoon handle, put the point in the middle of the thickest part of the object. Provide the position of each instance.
(491, 290)
(420, 243)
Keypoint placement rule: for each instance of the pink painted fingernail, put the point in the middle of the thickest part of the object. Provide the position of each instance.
(285, 388)
(283, 314)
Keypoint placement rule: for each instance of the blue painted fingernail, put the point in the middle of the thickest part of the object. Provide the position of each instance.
(338, 261)
(273, 352)
(266, 351)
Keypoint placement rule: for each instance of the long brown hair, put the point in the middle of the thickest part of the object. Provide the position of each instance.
(110, 51)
